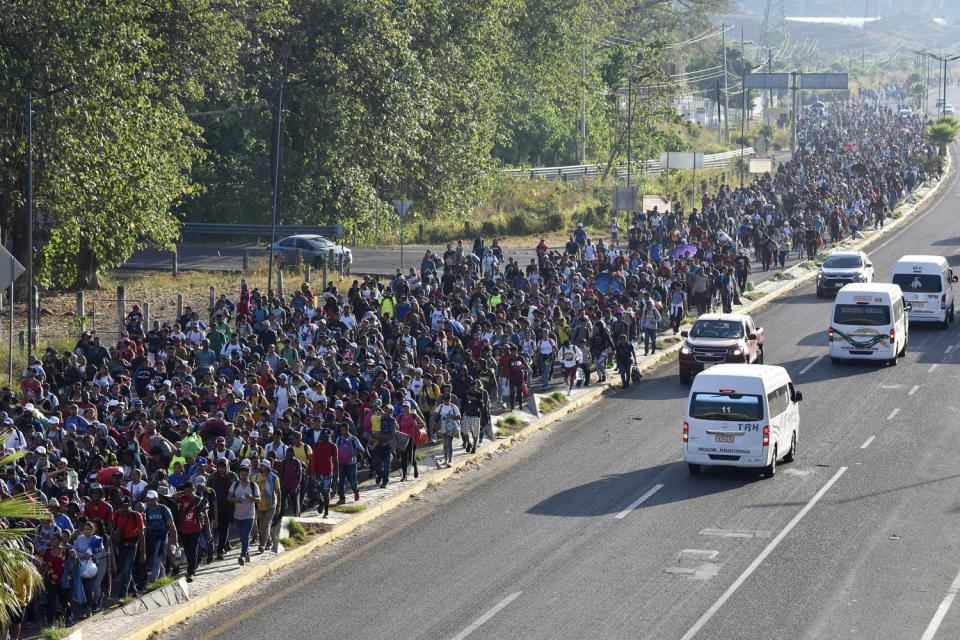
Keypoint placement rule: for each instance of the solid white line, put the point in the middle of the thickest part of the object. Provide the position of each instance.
(867, 443)
(809, 366)
(893, 413)
(489, 614)
(948, 349)
(639, 501)
(705, 618)
(914, 390)
(933, 367)
(942, 610)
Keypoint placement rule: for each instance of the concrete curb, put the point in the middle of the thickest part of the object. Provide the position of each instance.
(225, 590)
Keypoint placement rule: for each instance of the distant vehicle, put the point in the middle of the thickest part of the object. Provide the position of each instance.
(717, 338)
(939, 102)
(818, 108)
(927, 284)
(313, 249)
(905, 112)
(948, 109)
(869, 322)
(841, 268)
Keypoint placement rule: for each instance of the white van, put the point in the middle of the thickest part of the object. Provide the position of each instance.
(927, 284)
(741, 415)
(868, 322)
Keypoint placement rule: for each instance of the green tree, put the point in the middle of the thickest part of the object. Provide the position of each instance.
(917, 90)
(941, 134)
(14, 560)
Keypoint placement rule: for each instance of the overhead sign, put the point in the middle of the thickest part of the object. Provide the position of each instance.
(761, 166)
(10, 269)
(624, 198)
(766, 80)
(823, 81)
(681, 160)
(402, 206)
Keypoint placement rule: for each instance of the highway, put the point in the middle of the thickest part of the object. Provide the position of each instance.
(595, 528)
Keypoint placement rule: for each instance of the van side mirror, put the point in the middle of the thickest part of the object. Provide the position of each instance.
(797, 396)
(954, 278)
(907, 306)
(869, 265)
(684, 334)
(751, 336)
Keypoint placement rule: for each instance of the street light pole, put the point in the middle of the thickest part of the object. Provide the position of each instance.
(276, 187)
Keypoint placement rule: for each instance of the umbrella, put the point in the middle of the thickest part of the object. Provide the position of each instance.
(606, 280)
(683, 250)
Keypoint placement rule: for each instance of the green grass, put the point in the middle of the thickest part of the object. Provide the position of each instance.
(297, 530)
(54, 633)
(553, 401)
(421, 456)
(160, 583)
(289, 543)
(897, 215)
(356, 507)
(509, 425)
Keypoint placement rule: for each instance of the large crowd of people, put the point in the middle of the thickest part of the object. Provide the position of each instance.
(187, 441)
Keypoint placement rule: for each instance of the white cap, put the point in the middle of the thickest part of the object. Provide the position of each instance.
(162, 399)
(151, 494)
(167, 382)
(41, 450)
(28, 406)
(245, 463)
(54, 420)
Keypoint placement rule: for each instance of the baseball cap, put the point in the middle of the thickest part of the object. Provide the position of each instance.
(255, 435)
(41, 451)
(152, 494)
(245, 463)
(162, 399)
(221, 439)
(201, 461)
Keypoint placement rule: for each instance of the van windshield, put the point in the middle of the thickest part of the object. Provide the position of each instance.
(726, 406)
(865, 315)
(917, 282)
(717, 329)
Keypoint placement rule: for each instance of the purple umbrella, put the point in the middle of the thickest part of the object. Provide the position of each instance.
(683, 251)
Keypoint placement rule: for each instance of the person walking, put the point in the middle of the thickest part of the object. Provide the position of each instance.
(409, 421)
(649, 322)
(244, 495)
(221, 482)
(449, 426)
(626, 358)
(193, 515)
(517, 369)
(268, 506)
(161, 530)
(349, 449)
(292, 473)
(570, 357)
(323, 466)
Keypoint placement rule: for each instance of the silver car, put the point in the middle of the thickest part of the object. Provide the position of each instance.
(313, 249)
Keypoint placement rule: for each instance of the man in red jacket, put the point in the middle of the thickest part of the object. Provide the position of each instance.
(323, 463)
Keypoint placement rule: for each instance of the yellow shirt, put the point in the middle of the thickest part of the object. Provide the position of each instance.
(302, 453)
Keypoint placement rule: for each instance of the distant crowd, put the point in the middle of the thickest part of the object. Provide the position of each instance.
(187, 441)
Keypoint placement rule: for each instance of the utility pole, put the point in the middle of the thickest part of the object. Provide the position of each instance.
(726, 92)
(743, 57)
(276, 188)
(583, 105)
(793, 113)
(629, 126)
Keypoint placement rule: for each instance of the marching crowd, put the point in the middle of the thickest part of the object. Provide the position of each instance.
(188, 440)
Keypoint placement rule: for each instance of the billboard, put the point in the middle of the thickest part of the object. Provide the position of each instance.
(823, 81)
(766, 80)
(681, 160)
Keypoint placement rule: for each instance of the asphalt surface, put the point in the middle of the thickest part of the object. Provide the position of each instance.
(856, 539)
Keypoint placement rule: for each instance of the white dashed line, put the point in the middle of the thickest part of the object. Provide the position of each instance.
(705, 618)
(933, 367)
(812, 363)
(948, 349)
(867, 443)
(942, 610)
(914, 390)
(636, 503)
(485, 617)
(893, 413)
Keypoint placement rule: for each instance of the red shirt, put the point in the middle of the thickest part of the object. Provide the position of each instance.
(99, 510)
(324, 453)
(190, 518)
(129, 525)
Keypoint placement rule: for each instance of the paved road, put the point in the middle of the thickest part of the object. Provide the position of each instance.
(856, 539)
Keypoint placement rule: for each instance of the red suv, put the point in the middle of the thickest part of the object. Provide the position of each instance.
(719, 337)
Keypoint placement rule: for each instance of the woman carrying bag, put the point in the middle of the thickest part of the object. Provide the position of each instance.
(410, 423)
(449, 415)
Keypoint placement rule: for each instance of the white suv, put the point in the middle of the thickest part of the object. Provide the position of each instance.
(841, 268)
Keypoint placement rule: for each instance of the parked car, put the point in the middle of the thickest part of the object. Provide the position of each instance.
(948, 109)
(717, 338)
(841, 268)
(314, 249)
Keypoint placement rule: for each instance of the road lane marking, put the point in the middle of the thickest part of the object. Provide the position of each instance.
(485, 617)
(942, 610)
(639, 501)
(914, 390)
(867, 443)
(891, 386)
(933, 367)
(705, 618)
(809, 366)
(893, 413)
(948, 349)
(736, 533)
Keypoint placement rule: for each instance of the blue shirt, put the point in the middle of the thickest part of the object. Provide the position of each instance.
(157, 519)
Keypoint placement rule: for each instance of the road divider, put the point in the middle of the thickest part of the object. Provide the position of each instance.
(812, 364)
